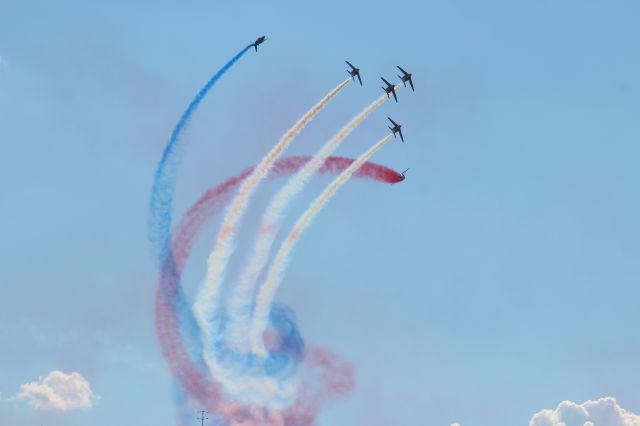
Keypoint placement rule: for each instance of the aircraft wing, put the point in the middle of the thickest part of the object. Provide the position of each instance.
(403, 71)
(394, 93)
(401, 138)
(359, 79)
(386, 82)
(411, 83)
(393, 122)
(349, 63)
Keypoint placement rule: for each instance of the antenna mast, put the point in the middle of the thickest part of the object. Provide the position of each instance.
(202, 417)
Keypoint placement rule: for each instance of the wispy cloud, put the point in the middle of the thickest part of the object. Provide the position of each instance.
(58, 391)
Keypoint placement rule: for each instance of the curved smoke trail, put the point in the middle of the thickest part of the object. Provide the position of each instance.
(332, 377)
(241, 300)
(266, 292)
(207, 299)
(164, 177)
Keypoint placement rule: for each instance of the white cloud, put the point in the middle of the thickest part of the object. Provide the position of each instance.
(602, 412)
(59, 391)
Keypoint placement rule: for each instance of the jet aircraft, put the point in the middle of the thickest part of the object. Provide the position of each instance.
(354, 72)
(396, 129)
(406, 76)
(258, 42)
(389, 89)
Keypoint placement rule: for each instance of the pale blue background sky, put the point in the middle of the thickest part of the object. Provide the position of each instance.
(499, 279)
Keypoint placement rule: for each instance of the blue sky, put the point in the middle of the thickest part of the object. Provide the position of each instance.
(499, 279)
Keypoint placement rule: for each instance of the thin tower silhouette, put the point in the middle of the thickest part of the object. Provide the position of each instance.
(202, 417)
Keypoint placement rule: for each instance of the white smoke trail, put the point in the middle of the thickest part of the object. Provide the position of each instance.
(241, 299)
(253, 386)
(266, 292)
(207, 300)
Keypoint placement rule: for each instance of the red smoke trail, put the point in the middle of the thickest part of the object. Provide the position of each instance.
(333, 377)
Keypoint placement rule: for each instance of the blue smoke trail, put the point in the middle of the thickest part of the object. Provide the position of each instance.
(284, 358)
(164, 178)
(161, 203)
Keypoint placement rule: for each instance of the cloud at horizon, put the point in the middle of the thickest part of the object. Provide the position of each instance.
(602, 412)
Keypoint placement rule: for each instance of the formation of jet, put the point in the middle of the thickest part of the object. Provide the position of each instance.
(406, 76)
(396, 129)
(389, 89)
(258, 42)
(354, 72)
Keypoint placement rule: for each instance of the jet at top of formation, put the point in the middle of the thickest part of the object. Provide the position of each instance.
(354, 72)
(258, 42)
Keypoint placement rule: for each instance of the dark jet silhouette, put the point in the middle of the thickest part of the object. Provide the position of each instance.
(354, 72)
(406, 76)
(258, 42)
(396, 129)
(389, 89)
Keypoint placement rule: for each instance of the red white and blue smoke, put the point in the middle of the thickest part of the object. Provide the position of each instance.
(276, 378)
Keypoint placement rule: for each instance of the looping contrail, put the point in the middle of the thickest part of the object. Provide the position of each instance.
(164, 177)
(267, 291)
(169, 296)
(283, 380)
(241, 299)
(207, 299)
